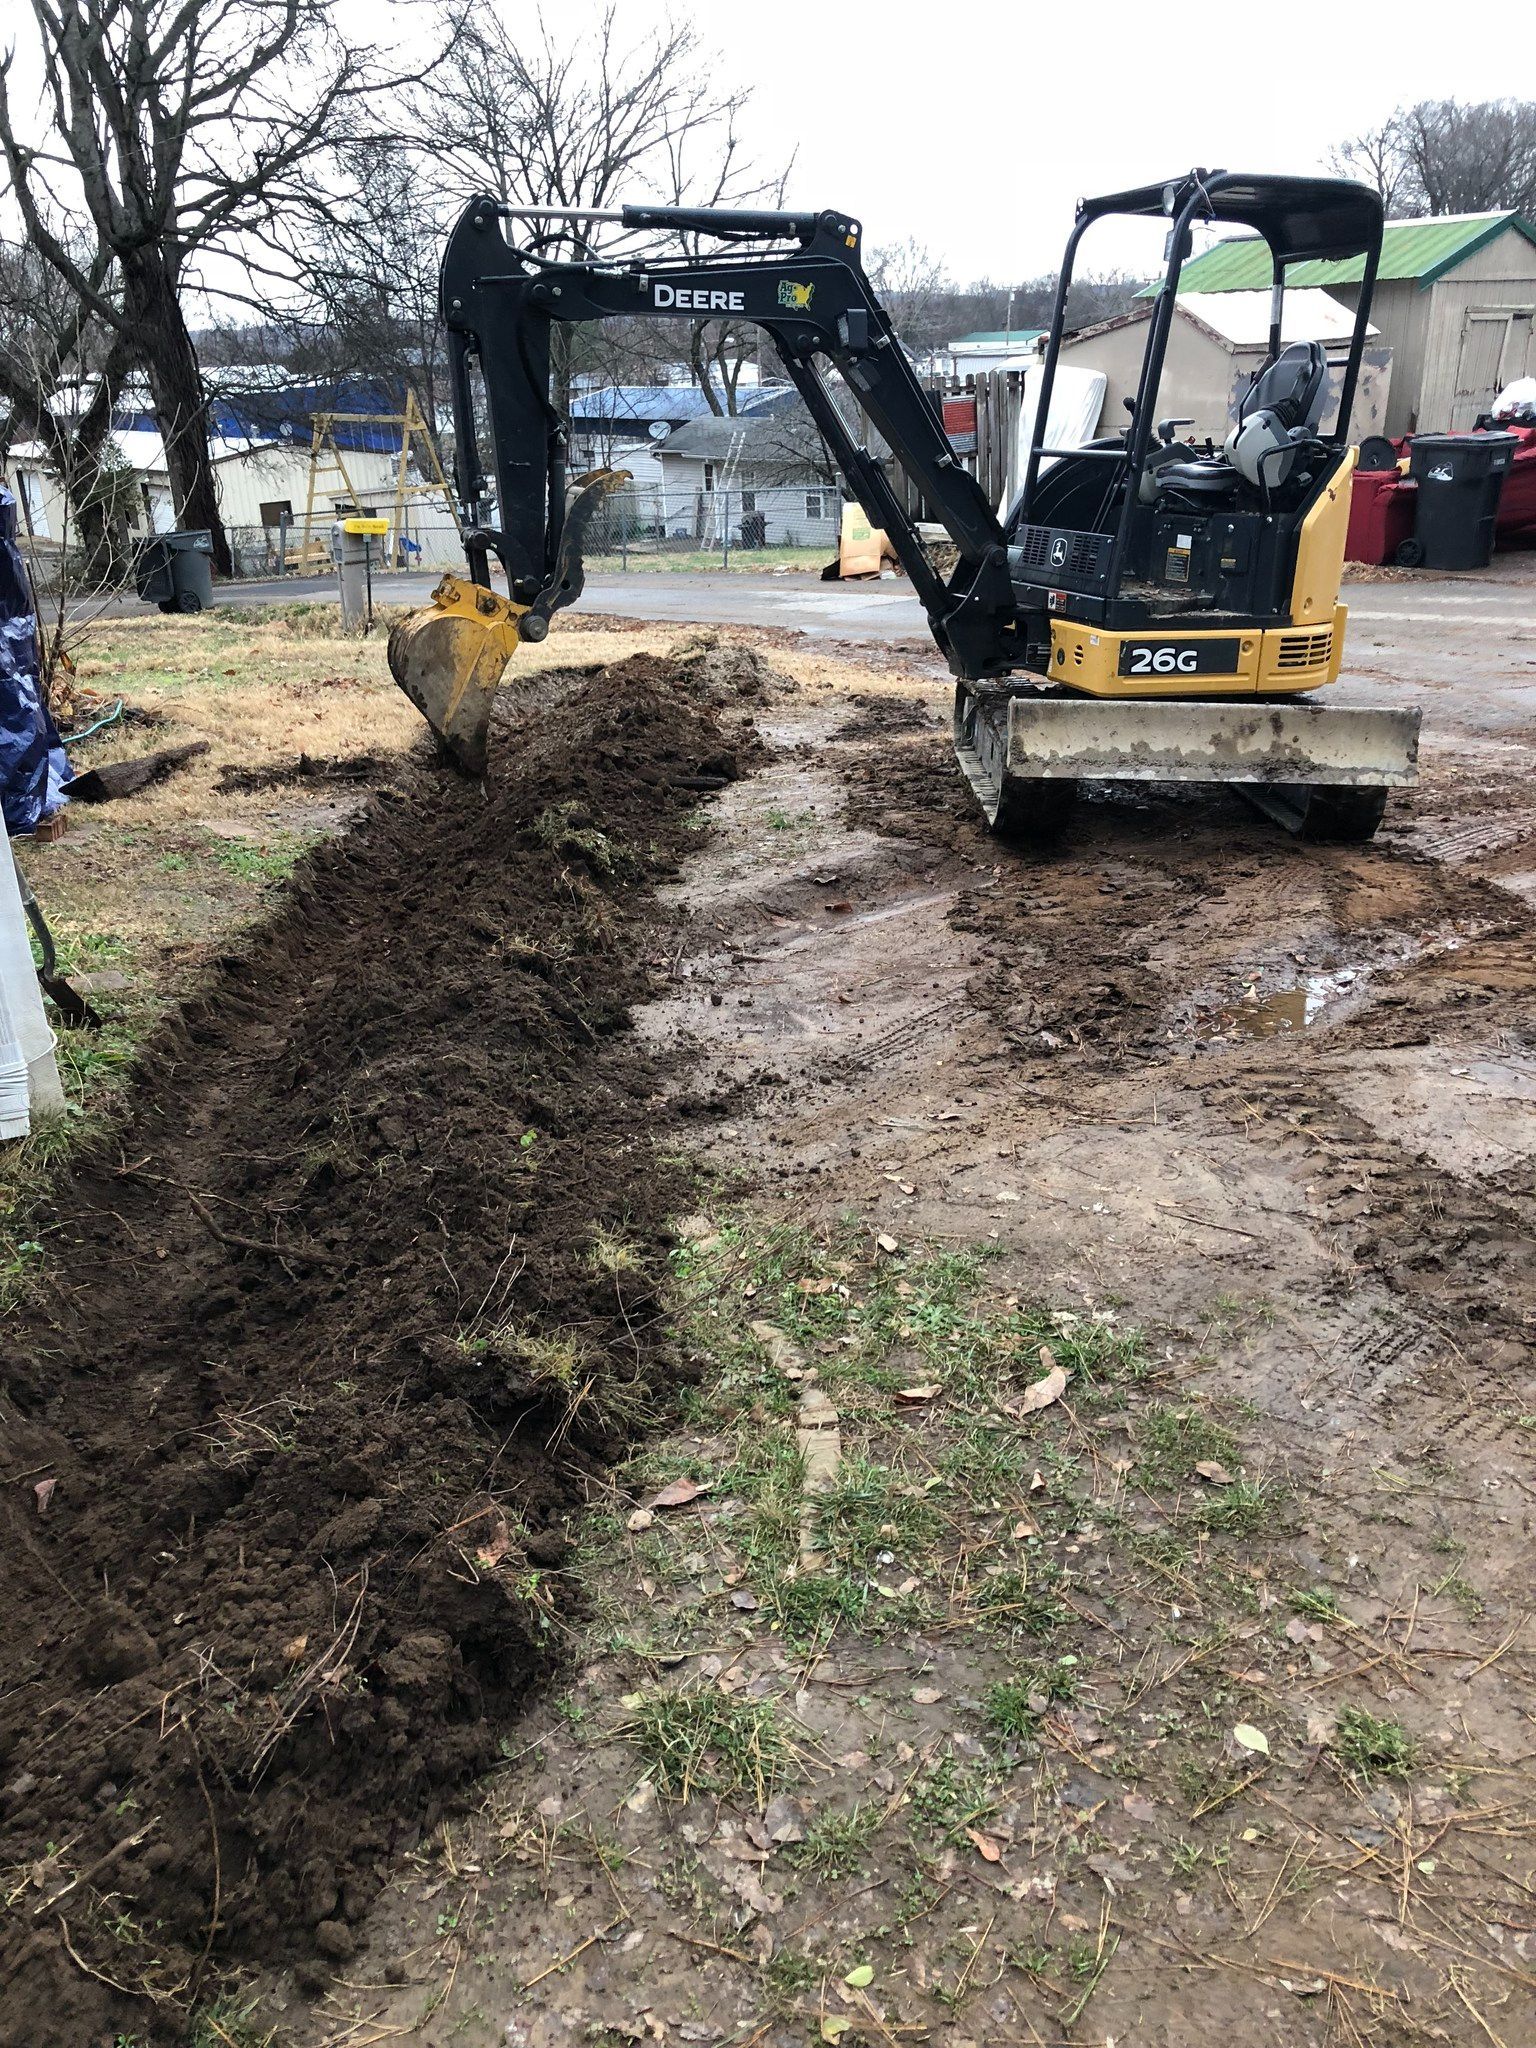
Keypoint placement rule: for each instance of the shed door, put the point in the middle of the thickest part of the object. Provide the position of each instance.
(1496, 347)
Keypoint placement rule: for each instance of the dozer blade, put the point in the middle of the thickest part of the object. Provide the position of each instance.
(1278, 753)
(449, 657)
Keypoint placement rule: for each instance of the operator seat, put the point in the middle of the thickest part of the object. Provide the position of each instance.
(1278, 416)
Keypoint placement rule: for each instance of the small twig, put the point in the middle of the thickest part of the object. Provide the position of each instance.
(714, 1947)
(562, 1962)
(308, 1254)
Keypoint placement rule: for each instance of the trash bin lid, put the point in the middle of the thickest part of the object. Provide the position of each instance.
(1459, 458)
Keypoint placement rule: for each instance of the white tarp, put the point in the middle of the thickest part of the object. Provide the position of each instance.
(29, 1078)
(1077, 399)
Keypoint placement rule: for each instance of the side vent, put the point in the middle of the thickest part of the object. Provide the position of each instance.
(1305, 650)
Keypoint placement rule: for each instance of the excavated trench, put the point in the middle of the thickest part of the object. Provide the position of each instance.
(335, 1329)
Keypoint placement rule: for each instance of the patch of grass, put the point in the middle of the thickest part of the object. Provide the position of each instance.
(699, 1739)
(253, 862)
(870, 1511)
(1372, 1748)
(1015, 1706)
(809, 1608)
(1241, 1508)
(838, 1844)
(1315, 1603)
(789, 1974)
(227, 2023)
(1020, 1602)
(564, 1368)
(612, 1253)
(1173, 1441)
(949, 1795)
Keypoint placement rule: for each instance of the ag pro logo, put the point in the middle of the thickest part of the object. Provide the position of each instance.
(797, 297)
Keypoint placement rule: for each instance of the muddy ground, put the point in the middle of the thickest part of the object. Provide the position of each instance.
(1198, 1707)
(1185, 1699)
(283, 1504)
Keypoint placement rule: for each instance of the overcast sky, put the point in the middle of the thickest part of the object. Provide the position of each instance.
(975, 128)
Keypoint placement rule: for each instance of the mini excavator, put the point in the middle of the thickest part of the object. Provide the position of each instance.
(1145, 610)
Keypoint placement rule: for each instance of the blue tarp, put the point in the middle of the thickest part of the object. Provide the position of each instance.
(33, 769)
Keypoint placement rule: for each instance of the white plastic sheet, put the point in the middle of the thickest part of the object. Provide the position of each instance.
(29, 1077)
(1077, 399)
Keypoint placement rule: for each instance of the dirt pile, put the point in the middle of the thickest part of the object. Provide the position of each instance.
(365, 1289)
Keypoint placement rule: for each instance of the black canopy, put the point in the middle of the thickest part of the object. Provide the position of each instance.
(1311, 218)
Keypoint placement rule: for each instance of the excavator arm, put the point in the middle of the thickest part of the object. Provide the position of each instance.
(499, 305)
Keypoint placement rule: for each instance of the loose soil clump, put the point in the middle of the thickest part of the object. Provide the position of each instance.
(335, 1330)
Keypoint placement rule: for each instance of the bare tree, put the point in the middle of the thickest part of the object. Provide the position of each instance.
(1442, 156)
(166, 130)
(917, 292)
(60, 375)
(589, 120)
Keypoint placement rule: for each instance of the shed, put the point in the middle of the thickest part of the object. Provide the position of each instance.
(1455, 300)
(1216, 344)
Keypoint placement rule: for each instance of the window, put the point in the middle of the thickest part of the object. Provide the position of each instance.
(709, 476)
(814, 501)
(749, 501)
(274, 511)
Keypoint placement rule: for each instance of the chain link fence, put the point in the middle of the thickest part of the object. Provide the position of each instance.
(678, 527)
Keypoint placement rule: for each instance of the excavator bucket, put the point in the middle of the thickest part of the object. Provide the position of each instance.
(449, 657)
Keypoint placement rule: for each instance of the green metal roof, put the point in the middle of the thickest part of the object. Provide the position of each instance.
(1420, 249)
(999, 337)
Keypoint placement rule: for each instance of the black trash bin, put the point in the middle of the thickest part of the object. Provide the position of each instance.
(1459, 477)
(175, 571)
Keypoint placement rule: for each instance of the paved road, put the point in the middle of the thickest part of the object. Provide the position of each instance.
(1474, 636)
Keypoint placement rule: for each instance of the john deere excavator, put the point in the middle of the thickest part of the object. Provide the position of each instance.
(1146, 610)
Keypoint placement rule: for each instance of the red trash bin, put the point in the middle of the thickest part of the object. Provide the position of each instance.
(1517, 503)
(1381, 508)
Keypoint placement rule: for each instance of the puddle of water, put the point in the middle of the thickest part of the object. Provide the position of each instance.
(1338, 990)
(1265, 1016)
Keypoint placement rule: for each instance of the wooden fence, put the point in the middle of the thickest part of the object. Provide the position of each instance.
(981, 416)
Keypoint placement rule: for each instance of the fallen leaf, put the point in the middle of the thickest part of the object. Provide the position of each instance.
(991, 1851)
(1139, 1808)
(294, 1649)
(1218, 1475)
(784, 1818)
(815, 1286)
(43, 1491)
(1045, 1391)
(1246, 1736)
(928, 1392)
(1036, 1481)
(746, 1601)
(678, 1492)
(859, 1976)
(834, 2025)
(927, 1696)
(886, 1243)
